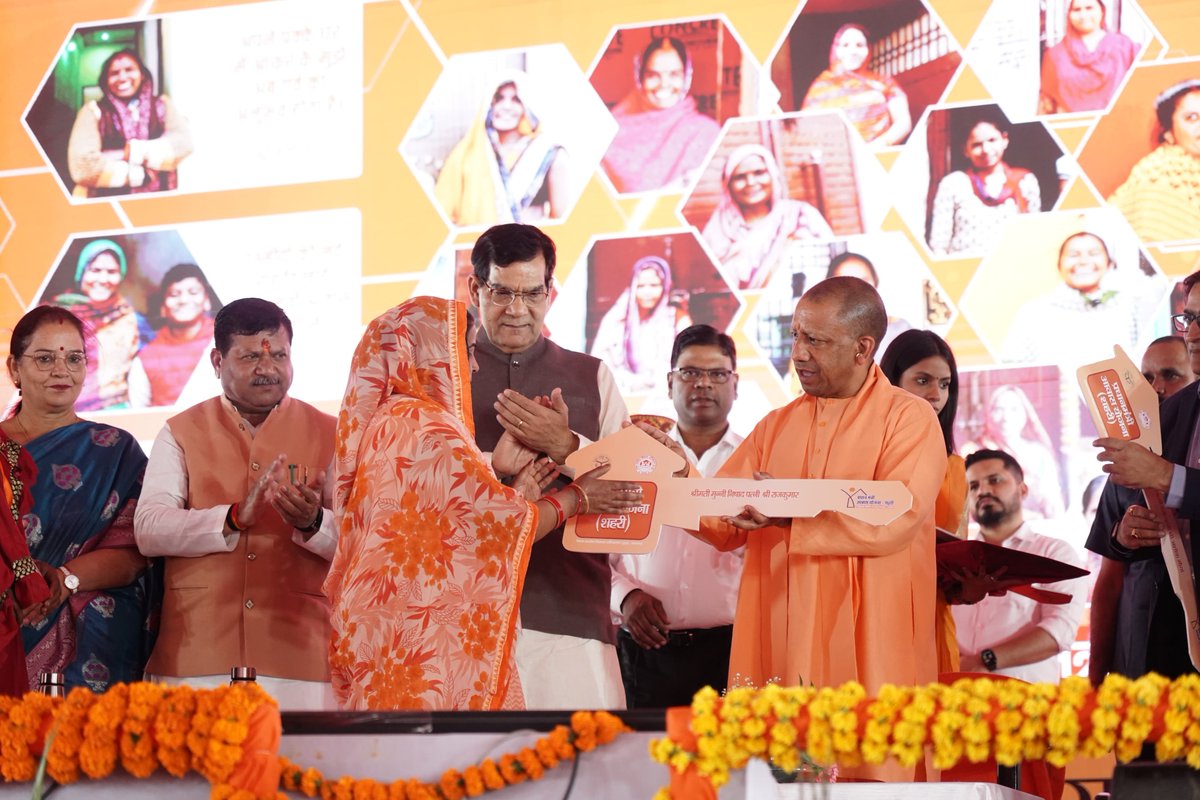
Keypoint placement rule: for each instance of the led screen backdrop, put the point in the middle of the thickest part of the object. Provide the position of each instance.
(973, 160)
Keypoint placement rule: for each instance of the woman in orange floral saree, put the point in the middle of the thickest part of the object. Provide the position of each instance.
(426, 583)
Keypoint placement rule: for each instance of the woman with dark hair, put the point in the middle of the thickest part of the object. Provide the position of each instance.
(1093, 308)
(755, 220)
(506, 168)
(116, 331)
(93, 626)
(1083, 71)
(635, 336)
(875, 104)
(972, 204)
(661, 138)
(921, 363)
(1161, 196)
(186, 305)
(130, 141)
(856, 265)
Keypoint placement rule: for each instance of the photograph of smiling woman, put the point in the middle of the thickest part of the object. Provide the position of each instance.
(662, 138)
(507, 168)
(116, 331)
(972, 204)
(130, 140)
(755, 220)
(1095, 306)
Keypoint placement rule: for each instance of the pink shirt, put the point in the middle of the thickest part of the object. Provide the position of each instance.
(996, 620)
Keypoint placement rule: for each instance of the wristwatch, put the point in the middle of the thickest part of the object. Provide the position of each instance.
(70, 579)
(988, 657)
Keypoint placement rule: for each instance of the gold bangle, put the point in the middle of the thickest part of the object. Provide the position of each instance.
(582, 506)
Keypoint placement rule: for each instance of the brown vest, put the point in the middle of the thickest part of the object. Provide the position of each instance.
(260, 605)
(565, 593)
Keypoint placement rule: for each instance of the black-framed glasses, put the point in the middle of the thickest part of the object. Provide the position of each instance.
(74, 361)
(1184, 321)
(691, 375)
(503, 296)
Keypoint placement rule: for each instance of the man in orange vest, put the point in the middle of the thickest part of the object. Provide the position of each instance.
(234, 500)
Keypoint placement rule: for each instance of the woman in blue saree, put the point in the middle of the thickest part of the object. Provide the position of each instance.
(94, 627)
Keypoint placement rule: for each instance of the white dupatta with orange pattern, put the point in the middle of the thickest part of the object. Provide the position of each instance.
(426, 583)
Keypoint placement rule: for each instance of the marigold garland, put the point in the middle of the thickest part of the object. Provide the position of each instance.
(973, 719)
(588, 730)
(144, 726)
(139, 726)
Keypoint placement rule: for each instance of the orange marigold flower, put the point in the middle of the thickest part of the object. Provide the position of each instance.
(546, 753)
(451, 785)
(492, 778)
(311, 781)
(530, 764)
(473, 781)
(510, 769)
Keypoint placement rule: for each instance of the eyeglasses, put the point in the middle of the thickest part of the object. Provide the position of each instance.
(690, 375)
(1184, 321)
(503, 296)
(75, 362)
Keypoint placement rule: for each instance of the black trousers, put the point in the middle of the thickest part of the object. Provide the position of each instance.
(672, 674)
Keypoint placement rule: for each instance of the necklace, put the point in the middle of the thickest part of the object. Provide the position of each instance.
(24, 430)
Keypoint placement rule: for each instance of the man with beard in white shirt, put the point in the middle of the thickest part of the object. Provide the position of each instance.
(1012, 634)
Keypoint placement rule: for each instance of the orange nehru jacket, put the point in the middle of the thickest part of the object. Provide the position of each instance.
(260, 605)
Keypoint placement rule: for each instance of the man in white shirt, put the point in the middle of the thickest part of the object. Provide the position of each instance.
(676, 604)
(1012, 634)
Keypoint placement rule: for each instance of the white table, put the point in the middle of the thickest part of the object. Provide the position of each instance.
(621, 770)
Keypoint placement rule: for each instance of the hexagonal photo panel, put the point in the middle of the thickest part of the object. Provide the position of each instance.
(967, 171)
(879, 62)
(148, 309)
(774, 183)
(209, 100)
(1057, 56)
(1020, 410)
(630, 295)
(508, 136)
(1144, 157)
(911, 294)
(669, 86)
(1064, 287)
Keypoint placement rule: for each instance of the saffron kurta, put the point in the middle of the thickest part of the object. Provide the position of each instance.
(950, 515)
(833, 599)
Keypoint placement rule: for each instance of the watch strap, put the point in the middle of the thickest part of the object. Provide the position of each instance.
(69, 578)
(316, 523)
(988, 657)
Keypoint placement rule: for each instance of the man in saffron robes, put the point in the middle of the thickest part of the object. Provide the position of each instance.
(830, 599)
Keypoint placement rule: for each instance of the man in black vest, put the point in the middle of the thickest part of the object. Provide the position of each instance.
(1177, 476)
(527, 387)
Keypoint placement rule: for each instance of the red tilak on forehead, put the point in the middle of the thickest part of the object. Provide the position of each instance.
(266, 346)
